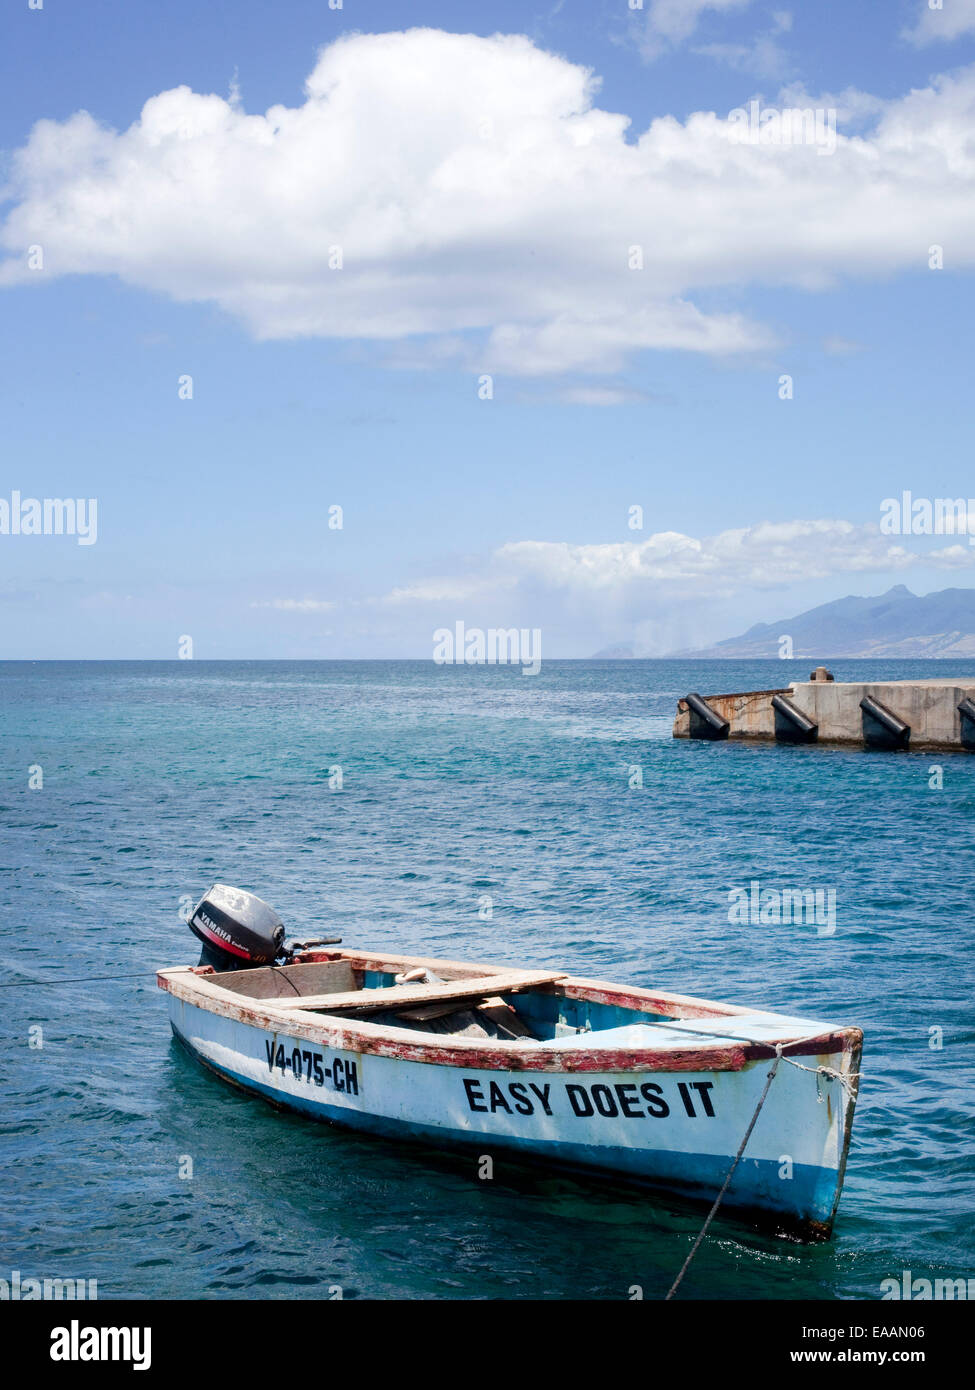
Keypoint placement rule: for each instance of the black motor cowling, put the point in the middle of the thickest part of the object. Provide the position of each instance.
(238, 930)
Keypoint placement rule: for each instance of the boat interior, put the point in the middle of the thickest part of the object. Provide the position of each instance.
(509, 1005)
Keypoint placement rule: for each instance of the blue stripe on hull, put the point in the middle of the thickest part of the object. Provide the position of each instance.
(803, 1202)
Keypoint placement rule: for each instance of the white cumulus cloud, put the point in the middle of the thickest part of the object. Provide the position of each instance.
(668, 23)
(950, 21)
(483, 206)
(766, 555)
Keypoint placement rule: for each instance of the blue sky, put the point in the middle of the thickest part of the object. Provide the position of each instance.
(485, 199)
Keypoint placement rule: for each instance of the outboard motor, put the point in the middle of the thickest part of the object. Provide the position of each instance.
(238, 930)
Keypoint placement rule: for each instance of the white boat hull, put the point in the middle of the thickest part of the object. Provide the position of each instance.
(673, 1129)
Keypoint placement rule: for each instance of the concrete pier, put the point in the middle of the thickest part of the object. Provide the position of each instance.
(923, 714)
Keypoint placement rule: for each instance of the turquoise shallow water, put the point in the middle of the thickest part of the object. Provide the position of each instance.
(160, 778)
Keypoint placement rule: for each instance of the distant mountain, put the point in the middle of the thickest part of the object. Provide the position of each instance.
(897, 623)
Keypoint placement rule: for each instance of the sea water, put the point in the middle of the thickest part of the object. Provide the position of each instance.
(472, 812)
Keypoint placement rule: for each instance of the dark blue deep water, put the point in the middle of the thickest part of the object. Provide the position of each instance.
(159, 778)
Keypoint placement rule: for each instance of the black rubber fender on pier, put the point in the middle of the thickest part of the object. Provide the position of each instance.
(791, 725)
(705, 722)
(881, 726)
(967, 711)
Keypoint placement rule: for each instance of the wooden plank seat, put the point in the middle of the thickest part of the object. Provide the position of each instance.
(396, 996)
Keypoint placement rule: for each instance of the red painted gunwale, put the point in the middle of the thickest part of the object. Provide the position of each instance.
(197, 985)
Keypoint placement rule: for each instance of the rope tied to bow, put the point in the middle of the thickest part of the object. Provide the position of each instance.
(729, 1175)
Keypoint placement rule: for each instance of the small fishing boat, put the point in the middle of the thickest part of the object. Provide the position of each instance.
(649, 1087)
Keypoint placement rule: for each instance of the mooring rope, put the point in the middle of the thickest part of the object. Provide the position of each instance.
(77, 980)
(730, 1174)
(845, 1078)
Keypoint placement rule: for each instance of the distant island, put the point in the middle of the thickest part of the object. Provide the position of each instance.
(895, 624)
